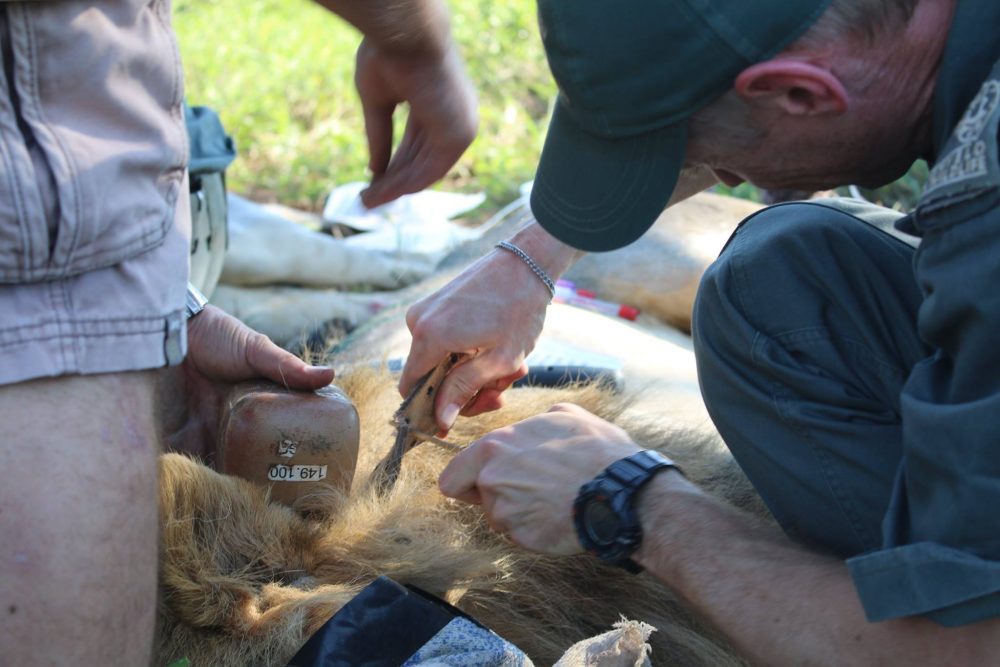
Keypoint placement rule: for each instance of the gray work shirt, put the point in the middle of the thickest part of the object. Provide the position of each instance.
(941, 533)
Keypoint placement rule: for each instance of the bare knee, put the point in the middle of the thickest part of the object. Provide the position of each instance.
(78, 519)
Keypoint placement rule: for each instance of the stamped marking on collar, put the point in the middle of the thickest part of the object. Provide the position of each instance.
(279, 472)
(286, 448)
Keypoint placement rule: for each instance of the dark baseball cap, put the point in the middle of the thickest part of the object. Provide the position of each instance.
(631, 73)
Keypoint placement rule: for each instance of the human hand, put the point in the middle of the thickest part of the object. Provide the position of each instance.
(493, 312)
(526, 476)
(472, 314)
(442, 120)
(223, 351)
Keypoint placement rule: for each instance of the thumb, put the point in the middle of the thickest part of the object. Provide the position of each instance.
(281, 366)
(406, 165)
(378, 127)
(464, 382)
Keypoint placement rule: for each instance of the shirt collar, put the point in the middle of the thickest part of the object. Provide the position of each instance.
(972, 49)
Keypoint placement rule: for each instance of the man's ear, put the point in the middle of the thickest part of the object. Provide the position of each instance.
(800, 88)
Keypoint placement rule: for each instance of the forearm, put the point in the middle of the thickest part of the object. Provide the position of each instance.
(556, 257)
(401, 27)
(779, 603)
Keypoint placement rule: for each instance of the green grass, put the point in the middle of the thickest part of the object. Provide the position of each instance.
(280, 74)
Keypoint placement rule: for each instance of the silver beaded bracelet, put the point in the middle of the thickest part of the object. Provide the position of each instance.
(532, 264)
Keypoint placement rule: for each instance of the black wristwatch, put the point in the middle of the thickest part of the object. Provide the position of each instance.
(604, 513)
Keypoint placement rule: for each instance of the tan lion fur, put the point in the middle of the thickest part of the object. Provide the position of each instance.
(245, 582)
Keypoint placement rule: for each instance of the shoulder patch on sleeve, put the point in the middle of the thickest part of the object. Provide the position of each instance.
(969, 162)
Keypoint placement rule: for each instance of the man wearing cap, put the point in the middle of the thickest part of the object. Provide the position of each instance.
(846, 353)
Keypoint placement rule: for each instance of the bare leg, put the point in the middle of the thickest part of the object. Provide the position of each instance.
(78, 520)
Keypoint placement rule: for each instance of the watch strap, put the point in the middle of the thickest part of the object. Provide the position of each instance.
(618, 485)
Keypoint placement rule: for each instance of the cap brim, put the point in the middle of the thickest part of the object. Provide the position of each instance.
(600, 194)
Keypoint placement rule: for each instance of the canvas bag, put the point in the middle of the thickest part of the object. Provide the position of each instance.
(211, 152)
(388, 624)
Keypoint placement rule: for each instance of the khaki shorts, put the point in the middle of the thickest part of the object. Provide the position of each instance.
(126, 317)
(94, 212)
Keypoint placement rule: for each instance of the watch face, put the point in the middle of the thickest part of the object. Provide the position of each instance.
(601, 521)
